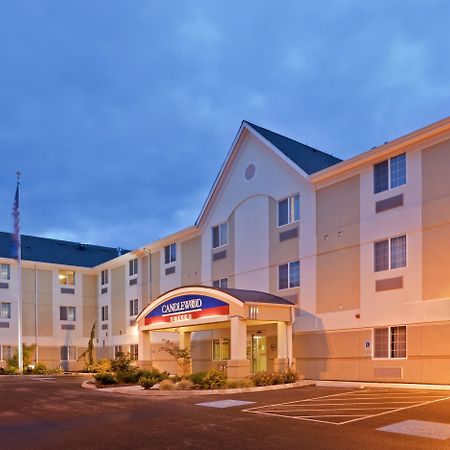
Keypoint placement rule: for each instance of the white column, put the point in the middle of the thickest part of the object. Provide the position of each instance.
(144, 349)
(281, 340)
(238, 338)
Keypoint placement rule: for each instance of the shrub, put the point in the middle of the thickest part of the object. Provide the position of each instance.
(213, 379)
(262, 379)
(184, 385)
(241, 383)
(197, 378)
(8, 371)
(154, 373)
(100, 366)
(290, 377)
(128, 376)
(123, 363)
(105, 378)
(269, 379)
(147, 382)
(166, 385)
(40, 369)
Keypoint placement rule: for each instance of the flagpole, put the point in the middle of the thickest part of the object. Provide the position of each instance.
(19, 282)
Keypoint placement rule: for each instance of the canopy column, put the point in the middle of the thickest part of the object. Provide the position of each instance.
(184, 342)
(284, 347)
(145, 350)
(238, 366)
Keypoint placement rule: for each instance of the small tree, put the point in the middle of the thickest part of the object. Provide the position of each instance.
(27, 353)
(88, 354)
(182, 356)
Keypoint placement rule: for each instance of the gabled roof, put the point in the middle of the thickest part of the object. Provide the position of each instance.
(307, 158)
(56, 251)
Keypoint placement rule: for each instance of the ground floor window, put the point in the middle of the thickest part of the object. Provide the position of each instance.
(68, 353)
(390, 342)
(134, 351)
(117, 351)
(220, 349)
(5, 352)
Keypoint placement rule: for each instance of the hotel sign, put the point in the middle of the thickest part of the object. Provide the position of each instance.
(186, 307)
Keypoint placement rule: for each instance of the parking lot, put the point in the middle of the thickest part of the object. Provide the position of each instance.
(54, 412)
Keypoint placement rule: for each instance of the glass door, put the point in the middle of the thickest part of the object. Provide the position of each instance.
(258, 353)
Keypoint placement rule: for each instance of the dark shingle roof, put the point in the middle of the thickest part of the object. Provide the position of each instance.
(250, 296)
(58, 252)
(307, 158)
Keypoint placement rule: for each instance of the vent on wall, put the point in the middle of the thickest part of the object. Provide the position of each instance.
(219, 255)
(4, 285)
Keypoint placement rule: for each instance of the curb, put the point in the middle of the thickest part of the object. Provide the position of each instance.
(363, 385)
(138, 391)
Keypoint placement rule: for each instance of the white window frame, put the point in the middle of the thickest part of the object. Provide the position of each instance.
(105, 309)
(5, 268)
(389, 357)
(133, 307)
(117, 349)
(104, 277)
(173, 244)
(389, 253)
(221, 351)
(134, 351)
(67, 313)
(220, 282)
(1, 310)
(389, 174)
(63, 277)
(289, 275)
(288, 198)
(71, 351)
(222, 243)
(133, 267)
(4, 356)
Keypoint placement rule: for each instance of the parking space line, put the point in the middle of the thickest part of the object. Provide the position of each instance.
(335, 406)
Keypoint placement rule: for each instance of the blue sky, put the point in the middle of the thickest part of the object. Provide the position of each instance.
(120, 114)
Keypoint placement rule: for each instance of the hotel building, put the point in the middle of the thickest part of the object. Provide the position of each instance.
(337, 269)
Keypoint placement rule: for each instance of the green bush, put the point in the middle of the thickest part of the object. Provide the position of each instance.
(123, 363)
(40, 369)
(241, 383)
(105, 378)
(128, 376)
(154, 373)
(100, 366)
(148, 382)
(197, 378)
(290, 377)
(8, 371)
(214, 380)
(270, 379)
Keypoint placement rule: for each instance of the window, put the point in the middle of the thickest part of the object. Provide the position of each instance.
(289, 210)
(390, 254)
(5, 310)
(134, 351)
(133, 267)
(5, 352)
(220, 349)
(289, 275)
(390, 342)
(222, 283)
(170, 253)
(5, 272)
(104, 313)
(134, 307)
(118, 351)
(389, 174)
(220, 235)
(104, 277)
(67, 277)
(68, 353)
(67, 313)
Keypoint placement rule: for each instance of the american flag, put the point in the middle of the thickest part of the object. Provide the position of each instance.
(16, 216)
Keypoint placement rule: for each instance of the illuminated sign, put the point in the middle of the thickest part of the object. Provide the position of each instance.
(185, 307)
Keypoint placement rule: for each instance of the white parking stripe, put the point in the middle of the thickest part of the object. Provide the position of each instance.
(336, 406)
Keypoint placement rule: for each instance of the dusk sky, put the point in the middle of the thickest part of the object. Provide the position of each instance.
(119, 114)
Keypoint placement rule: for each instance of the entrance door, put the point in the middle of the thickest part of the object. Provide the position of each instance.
(258, 353)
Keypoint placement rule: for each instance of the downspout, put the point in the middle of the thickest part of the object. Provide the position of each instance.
(149, 287)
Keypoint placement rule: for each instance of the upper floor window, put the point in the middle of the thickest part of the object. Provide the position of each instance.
(220, 235)
(390, 342)
(389, 174)
(289, 275)
(105, 277)
(68, 313)
(289, 210)
(390, 253)
(5, 310)
(104, 313)
(67, 277)
(170, 253)
(133, 267)
(222, 283)
(5, 272)
(134, 307)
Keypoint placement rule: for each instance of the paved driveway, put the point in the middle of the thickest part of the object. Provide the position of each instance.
(54, 413)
